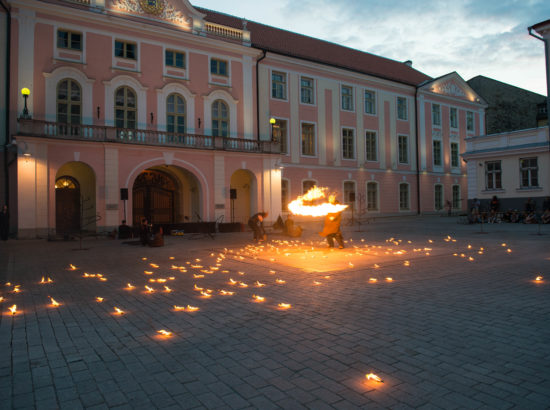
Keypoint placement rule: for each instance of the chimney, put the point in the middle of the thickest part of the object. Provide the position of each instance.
(408, 63)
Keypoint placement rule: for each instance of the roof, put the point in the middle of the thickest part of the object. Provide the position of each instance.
(291, 44)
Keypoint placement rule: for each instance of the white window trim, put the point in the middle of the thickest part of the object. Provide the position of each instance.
(377, 146)
(141, 95)
(377, 196)
(375, 103)
(354, 191)
(231, 104)
(408, 196)
(184, 71)
(354, 144)
(53, 78)
(57, 50)
(457, 142)
(438, 168)
(434, 125)
(115, 59)
(287, 78)
(314, 104)
(442, 196)
(314, 136)
(188, 96)
(408, 150)
(397, 108)
(352, 97)
(287, 132)
(212, 80)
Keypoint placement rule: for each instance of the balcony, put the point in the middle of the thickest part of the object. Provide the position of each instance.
(47, 129)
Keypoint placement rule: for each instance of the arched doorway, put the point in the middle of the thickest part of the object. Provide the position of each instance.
(67, 205)
(153, 197)
(243, 195)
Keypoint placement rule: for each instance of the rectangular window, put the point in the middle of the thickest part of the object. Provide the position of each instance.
(70, 40)
(370, 102)
(456, 196)
(279, 134)
(348, 144)
(278, 85)
(437, 153)
(470, 121)
(308, 139)
(403, 149)
(438, 197)
(454, 155)
(347, 98)
(218, 67)
(284, 194)
(349, 193)
(307, 185)
(529, 172)
(402, 108)
(174, 59)
(436, 114)
(124, 49)
(453, 117)
(493, 175)
(371, 148)
(403, 197)
(372, 196)
(306, 90)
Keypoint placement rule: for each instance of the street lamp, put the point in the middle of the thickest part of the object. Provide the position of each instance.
(25, 92)
(272, 121)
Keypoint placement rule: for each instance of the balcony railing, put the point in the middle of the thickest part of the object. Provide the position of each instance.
(47, 129)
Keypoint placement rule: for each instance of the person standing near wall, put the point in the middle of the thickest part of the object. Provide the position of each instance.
(4, 223)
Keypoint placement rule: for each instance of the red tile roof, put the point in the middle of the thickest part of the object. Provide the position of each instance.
(308, 48)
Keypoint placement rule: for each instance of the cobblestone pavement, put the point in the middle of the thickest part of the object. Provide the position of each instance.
(462, 324)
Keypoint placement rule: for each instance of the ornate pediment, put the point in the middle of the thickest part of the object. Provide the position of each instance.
(178, 12)
(449, 88)
(452, 85)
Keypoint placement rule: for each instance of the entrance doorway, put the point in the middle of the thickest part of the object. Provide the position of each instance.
(67, 205)
(153, 197)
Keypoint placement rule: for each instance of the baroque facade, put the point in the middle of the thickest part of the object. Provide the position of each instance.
(161, 109)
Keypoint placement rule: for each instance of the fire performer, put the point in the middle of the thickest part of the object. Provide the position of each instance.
(256, 223)
(331, 229)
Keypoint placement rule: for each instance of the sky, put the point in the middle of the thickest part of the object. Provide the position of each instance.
(471, 37)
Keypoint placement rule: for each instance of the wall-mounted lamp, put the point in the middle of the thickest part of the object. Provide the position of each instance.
(25, 92)
(19, 147)
(272, 122)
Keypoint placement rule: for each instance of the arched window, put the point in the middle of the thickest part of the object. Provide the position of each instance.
(220, 119)
(175, 114)
(125, 108)
(69, 106)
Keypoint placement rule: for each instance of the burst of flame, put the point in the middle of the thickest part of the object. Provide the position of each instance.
(119, 311)
(99, 299)
(372, 376)
(509, 250)
(171, 257)
(284, 305)
(164, 332)
(314, 195)
(144, 258)
(13, 309)
(54, 302)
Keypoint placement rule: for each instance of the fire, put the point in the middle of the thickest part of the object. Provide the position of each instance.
(119, 311)
(72, 267)
(16, 289)
(232, 281)
(192, 308)
(54, 302)
(13, 309)
(539, 278)
(258, 298)
(389, 279)
(44, 280)
(372, 376)
(373, 280)
(259, 284)
(317, 283)
(284, 305)
(164, 332)
(243, 285)
(148, 272)
(197, 288)
(226, 293)
(280, 281)
(130, 286)
(154, 265)
(179, 308)
(310, 204)
(167, 289)
(99, 299)
(149, 289)
(197, 275)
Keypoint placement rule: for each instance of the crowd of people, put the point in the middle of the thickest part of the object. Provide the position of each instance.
(495, 215)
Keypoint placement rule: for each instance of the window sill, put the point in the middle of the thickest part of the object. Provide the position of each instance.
(492, 191)
(176, 77)
(529, 189)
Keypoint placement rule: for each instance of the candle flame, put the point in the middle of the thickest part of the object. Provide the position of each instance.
(130, 286)
(226, 292)
(119, 311)
(373, 280)
(280, 281)
(13, 309)
(258, 298)
(54, 302)
(99, 299)
(154, 265)
(72, 267)
(192, 308)
(206, 294)
(148, 272)
(149, 289)
(164, 332)
(167, 289)
(539, 278)
(284, 305)
(259, 284)
(372, 376)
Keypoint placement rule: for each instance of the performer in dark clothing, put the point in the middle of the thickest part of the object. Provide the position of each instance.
(4, 223)
(256, 223)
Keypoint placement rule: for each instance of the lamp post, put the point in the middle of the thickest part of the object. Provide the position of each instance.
(272, 122)
(25, 92)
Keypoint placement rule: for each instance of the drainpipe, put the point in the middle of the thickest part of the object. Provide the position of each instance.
(7, 60)
(546, 52)
(258, 94)
(417, 152)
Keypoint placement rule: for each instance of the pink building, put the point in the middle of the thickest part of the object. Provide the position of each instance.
(156, 108)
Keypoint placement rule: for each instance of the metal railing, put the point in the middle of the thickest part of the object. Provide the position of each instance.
(81, 132)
